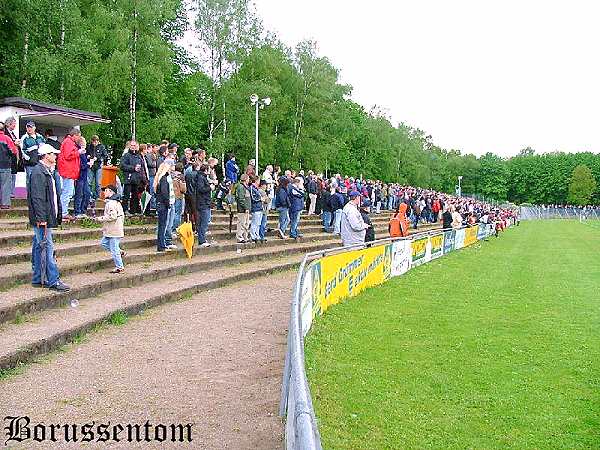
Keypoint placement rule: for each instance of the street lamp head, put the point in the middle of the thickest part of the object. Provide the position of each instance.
(267, 101)
(254, 98)
(460, 177)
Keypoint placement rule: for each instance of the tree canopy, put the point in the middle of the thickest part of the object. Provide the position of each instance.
(122, 58)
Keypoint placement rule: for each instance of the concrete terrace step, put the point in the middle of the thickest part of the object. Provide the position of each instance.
(15, 238)
(20, 342)
(22, 211)
(141, 265)
(97, 258)
(63, 247)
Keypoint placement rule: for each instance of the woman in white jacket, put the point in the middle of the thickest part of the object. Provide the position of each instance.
(112, 227)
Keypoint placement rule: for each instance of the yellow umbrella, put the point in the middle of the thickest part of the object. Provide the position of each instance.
(186, 235)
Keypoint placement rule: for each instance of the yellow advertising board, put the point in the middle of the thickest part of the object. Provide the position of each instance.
(347, 274)
(471, 235)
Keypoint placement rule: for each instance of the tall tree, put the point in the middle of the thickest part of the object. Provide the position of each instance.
(582, 186)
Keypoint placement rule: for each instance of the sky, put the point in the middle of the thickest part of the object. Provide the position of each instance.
(478, 76)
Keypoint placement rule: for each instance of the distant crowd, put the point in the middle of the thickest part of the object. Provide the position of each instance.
(183, 186)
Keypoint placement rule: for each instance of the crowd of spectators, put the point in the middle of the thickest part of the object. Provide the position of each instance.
(175, 187)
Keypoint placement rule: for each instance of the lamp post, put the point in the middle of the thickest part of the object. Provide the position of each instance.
(258, 104)
(459, 188)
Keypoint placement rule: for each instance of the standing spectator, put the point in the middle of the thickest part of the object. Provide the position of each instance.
(312, 194)
(365, 207)
(282, 203)
(151, 156)
(30, 142)
(244, 203)
(447, 218)
(180, 187)
(83, 194)
(270, 184)
(251, 168)
(256, 209)
(44, 214)
(132, 167)
(165, 199)
(97, 155)
(231, 169)
(112, 227)
(203, 190)
(8, 150)
(51, 138)
(353, 227)
(456, 218)
(212, 173)
(337, 202)
(296, 193)
(191, 214)
(326, 215)
(68, 168)
(10, 125)
(266, 203)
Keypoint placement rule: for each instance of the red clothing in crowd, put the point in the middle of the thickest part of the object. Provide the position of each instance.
(9, 142)
(68, 159)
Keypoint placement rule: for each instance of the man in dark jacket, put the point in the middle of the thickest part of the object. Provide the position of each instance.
(43, 198)
(202, 188)
(364, 212)
(244, 203)
(97, 156)
(135, 179)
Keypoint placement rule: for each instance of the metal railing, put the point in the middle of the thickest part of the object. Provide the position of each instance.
(301, 430)
(551, 212)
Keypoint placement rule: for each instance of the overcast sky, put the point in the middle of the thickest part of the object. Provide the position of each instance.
(475, 74)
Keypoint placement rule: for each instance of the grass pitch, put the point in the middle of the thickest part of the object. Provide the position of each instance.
(492, 347)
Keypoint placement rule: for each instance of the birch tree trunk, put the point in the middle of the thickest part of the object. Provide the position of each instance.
(25, 59)
(133, 94)
(61, 7)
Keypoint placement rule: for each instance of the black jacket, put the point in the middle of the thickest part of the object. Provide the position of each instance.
(43, 205)
(202, 188)
(370, 233)
(99, 152)
(447, 220)
(152, 164)
(163, 194)
(6, 156)
(128, 163)
(325, 196)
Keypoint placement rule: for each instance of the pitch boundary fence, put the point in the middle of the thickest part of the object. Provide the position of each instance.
(327, 277)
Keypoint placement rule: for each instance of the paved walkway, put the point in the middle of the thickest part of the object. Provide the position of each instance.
(214, 360)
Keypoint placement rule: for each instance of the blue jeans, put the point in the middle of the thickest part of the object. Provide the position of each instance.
(294, 220)
(255, 221)
(179, 208)
(5, 186)
(151, 190)
(284, 219)
(52, 275)
(82, 197)
(66, 193)
(170, 221)
(202, 224)
(326, 216)
(337, 224)
(262, 230)
(163, 215)
(112, 245)
(94, 178)
(28, 170)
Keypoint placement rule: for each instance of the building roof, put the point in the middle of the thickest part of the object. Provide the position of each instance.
(46, 109)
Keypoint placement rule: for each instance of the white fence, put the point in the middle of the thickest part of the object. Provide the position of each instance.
(551, 212)
(326, 278)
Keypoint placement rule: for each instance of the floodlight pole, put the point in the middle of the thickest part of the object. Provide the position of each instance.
(459, 188)
(256, 140)
(258, 104)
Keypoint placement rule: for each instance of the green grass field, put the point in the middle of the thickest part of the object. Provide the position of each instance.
(496, 346)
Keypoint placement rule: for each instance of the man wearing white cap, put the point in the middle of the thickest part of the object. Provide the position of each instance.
(43, 198)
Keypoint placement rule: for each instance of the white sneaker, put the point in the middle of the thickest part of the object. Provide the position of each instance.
(206, 244)
(172, 246)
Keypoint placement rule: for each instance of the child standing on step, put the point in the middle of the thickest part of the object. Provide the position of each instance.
(112, 226)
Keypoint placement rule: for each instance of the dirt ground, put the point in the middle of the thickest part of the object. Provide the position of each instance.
(214, 360)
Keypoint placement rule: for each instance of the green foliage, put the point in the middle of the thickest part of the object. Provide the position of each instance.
(84, 53)
(582, 186)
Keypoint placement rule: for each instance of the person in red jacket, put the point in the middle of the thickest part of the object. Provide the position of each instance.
(8, 151)
(68, 168)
